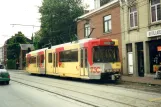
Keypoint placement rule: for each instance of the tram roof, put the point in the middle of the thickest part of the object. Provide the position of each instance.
(74, 42)
(36, 51)
(65, 44)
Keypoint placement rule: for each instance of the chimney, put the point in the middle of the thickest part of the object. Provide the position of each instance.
(96, 4)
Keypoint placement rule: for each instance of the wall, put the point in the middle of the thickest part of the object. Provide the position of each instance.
(138, 34)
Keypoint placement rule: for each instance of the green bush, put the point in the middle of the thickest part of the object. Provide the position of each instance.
(11, 64)
(24, 63)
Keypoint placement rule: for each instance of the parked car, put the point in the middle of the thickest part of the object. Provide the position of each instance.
(4, 75)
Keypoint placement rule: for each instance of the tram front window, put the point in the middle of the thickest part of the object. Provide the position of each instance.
(104, 54)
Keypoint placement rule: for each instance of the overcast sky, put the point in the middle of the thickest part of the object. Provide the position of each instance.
(23, 12)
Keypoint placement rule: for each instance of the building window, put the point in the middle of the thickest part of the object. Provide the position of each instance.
(103, 2)
(87, 30)
(133, 16)
(107, 24)
(155, 10)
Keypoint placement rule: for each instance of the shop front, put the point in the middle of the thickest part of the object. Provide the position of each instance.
(154, 50)
(155, 55)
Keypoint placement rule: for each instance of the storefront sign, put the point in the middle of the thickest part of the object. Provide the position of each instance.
(159, 48)
(154, 33)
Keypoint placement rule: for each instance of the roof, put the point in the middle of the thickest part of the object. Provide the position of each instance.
(26, 46)
(108, 5)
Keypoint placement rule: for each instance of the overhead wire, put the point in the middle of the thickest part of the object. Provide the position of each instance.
(96, 22)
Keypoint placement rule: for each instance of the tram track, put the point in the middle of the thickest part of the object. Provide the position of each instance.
(101, 85)
(74, 98)
(98, 84)
(76, 91)
(56, 93)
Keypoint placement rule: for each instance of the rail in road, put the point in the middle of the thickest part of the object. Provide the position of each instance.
(89, 94)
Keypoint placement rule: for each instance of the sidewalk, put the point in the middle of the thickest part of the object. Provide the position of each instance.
(147, 80)
(14, 70)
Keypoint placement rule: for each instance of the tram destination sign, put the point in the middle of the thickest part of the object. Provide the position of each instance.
(109, 43)
(154, 33)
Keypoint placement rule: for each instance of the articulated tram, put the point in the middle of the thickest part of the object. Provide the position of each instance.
(87, 59)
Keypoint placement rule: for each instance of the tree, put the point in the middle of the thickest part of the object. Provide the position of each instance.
(36, 39)
(57, 20)
(13, 45)
(18, 38)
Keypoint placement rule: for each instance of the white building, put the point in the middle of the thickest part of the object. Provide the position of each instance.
(1, 55)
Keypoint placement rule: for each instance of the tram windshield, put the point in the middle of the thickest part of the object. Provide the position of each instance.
(104, 54)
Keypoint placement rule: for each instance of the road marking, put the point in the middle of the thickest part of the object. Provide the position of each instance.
(155, 99)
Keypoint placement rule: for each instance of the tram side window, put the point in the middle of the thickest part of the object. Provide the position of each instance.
(56, 59)
(86, 58)
(42, 58)
(81, 57)
(50, 57)
(69, 56)
(32, 60)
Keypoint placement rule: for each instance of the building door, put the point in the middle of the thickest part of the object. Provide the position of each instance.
(141, 63)
(140, 54)
(130, 62)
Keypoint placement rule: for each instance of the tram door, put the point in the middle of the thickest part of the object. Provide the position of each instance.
(41, 63)
(55, 63)
(84, 65)
(38, 63)
(49, 62)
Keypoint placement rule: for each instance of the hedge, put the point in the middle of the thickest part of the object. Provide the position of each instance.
(11, 64)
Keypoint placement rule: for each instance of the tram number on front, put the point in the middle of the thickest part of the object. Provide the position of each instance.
(95, 69)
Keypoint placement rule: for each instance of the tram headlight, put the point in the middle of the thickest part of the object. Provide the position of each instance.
(114, 70)
(117, 70)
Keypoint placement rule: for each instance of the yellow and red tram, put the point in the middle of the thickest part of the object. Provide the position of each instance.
(87, 59)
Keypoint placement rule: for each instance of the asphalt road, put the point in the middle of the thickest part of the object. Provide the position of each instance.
(39, 91)
(19, 95)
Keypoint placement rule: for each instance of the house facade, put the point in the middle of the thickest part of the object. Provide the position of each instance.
(5, 52)
(1, 55)
(25, 48)
(141, 36)
(102, 22)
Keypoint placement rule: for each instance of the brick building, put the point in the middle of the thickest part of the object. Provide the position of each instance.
(24, 49)
(102, 22)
